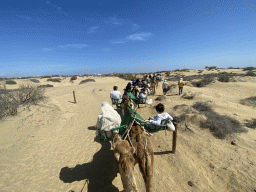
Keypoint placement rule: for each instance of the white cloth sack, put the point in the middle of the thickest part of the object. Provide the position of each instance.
(170, 126)
(108, 119)
(149, 101)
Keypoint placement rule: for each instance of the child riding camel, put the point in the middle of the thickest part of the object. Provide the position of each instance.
(161, 116)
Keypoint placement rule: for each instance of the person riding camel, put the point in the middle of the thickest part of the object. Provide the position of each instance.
(143, 94)
(128, 87)
(115, 95)
(148, 79)
(161, 116)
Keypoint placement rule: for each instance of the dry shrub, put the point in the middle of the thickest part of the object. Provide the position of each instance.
(188, 95)
(208, 79)
(86, 80)
(74, 77)
(160, 98)
(202, 106)
(251, 123)
(249, 68)
(188, 114)
(46, 76)
(250, 73)
(35, 80)
(126, 76)
(10, 82)
(171, 87)
(220, 125)
(30, 94)
(42, 86)
(168, 73)
(10, 100)
(58, 80)
(224, 78)
(250, 101)
(8, 104)
(211, 68)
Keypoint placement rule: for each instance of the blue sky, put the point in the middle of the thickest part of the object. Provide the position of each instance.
(83, 37)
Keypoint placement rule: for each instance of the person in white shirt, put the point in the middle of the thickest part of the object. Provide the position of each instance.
(115, 94)
(161, 116)
(142, 93)
(165, 86)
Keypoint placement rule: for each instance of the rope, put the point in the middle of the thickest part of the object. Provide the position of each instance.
(145, 131)
(131, 144)
(146, 144)
(128, 128)
(114, 139)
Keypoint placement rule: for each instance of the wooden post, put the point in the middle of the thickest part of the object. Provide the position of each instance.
(74, 97)
(174, 137)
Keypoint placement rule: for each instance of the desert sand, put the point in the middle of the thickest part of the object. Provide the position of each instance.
(52, 146)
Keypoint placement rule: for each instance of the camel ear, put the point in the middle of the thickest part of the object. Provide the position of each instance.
(117, 156)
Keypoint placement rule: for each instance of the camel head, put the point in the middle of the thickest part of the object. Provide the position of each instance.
(126, 161)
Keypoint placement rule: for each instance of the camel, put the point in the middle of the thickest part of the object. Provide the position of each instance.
(125, 101)
(153, 87)
(139, 150)
(135, 91)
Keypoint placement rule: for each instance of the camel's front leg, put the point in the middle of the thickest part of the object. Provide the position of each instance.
(146, 162)
(149, 171)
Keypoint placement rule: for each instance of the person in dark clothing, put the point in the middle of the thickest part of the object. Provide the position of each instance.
(128, 88)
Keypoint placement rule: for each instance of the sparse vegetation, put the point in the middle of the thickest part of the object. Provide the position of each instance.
(224, 77)
(29, 94)
(46, 76)
(188, 95)
(35, 80)
(10, 82)
(250, 101)
(220, 125)
(55, 80)
(211, 68)
(249, 68)
(250, 73)
(171, 87)
(8, 104)
(202, 106)
(233, 68)
(74, 77)
(10, 100)
(205, 81)
(251, 123)
(86, 80)
(168, 73)
(160, 98)
(48, 85)
(126, 76)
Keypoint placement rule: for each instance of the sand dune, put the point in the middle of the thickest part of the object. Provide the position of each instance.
(51, 146)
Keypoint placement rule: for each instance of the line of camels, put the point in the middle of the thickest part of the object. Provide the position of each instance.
(135, 148)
